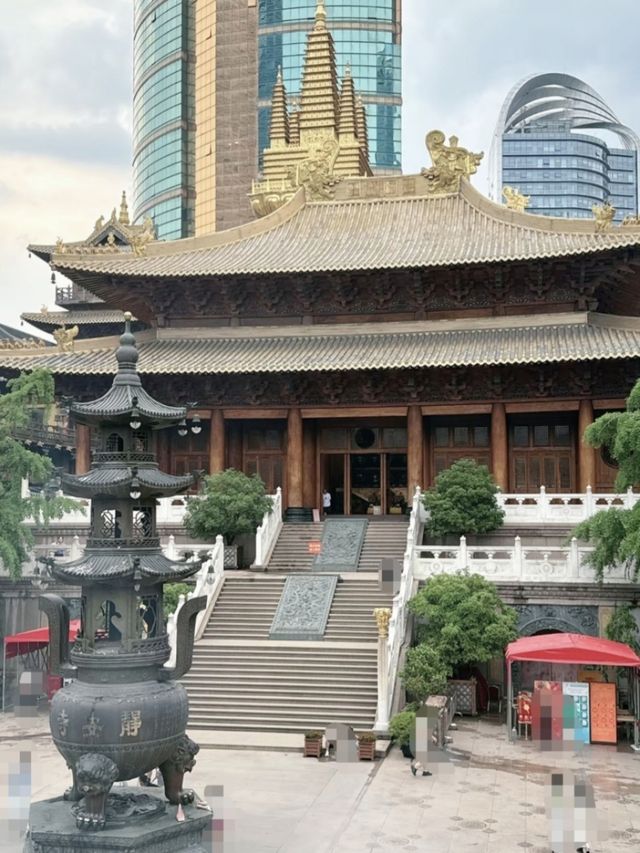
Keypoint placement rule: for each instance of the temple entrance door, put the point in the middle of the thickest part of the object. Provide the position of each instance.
(333, 479)
(543, 454)
(367, 491)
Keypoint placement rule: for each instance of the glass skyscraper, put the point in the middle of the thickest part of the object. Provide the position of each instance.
(544, 147)
(367, 36)
(164, 116)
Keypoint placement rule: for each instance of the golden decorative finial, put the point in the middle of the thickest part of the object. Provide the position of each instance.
(60, 246)
(451, 163)
(383, 617)
(65, 337)
(515, 200)
(321, 15)
(630, 221)
(279, 74)
(124, 210)
(604, 216)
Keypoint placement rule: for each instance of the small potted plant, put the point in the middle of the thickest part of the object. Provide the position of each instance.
(366, 746)
(232, 504)
(313, 743)
(400, 729)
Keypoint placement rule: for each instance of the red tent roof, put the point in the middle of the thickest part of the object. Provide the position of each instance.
(572, 648)
(28, 641)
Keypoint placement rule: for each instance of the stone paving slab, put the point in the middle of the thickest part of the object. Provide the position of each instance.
(491, 799)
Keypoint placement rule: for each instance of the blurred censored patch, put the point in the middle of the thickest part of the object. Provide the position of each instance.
(571, 812)
(15, 799)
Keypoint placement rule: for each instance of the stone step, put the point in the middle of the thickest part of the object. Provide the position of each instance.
(283, 715)
(263, 725)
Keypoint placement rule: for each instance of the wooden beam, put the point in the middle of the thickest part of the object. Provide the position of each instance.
(83, 449)
(499, 446)
(356, 412)
(251, 413)
(543, 406)
(586, 454)
(457, 409)
(294, 458)
(612, 403)
(216, 442)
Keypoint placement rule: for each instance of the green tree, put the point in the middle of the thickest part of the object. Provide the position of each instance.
(465, 621)
(463, 501)
(231, 504)
(425, 673)
(615, 533)
(25, 393)
(171, 592)
(623, 628)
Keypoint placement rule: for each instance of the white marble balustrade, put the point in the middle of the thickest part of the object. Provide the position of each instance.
(568, 509)
(513, 563)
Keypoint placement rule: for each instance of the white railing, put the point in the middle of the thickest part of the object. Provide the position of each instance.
(513, 563)
(388, 669)
(268, 532)
(560, 508)
(209, 582)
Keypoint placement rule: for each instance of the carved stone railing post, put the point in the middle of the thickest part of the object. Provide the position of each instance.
(383, 617)
(588, 502)
(75, 552)
(574, 558)
(170, 551)
(629, 498)
(518, 568)
(543, 503)
(463, 557)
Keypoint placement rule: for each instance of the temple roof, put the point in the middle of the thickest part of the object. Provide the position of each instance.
(103, 567)
(371, 224)
(116, 481)
(75, 318)
(535, 339)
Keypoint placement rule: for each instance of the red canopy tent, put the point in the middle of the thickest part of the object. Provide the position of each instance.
(571, 648)
(27, 642)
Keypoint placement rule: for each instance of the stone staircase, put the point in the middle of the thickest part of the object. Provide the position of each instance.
(241, 680)
(384, 538)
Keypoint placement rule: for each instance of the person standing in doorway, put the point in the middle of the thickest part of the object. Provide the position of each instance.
(326, 502)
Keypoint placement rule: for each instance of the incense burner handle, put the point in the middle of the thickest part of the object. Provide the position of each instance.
(185, 632)
(57, 612)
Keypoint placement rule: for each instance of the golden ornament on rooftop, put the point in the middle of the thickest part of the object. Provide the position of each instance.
(515, 200)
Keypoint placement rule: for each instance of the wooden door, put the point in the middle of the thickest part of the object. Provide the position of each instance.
(542, 453)
(459, 438)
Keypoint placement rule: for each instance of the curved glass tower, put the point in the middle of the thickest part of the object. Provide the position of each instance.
(543, 146)
(367, 36)
(163, 116)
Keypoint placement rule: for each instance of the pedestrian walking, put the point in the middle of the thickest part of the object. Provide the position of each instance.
(326, 502)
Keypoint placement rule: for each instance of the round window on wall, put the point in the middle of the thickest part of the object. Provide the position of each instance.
(364, 438)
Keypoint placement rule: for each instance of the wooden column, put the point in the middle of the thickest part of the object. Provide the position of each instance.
(216, 442)
(83, 449)
(586, 454)
(415, 449)
(500, 446)
(309, 485)
(294, 458)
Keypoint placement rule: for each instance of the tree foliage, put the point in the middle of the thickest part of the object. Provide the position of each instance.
(463, 501)
(24, 394)
(425, 673)
(623, 628)
(171, 592)
(231, 504)
(465, 621)
(615, 533)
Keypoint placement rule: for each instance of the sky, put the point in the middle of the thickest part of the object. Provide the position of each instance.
(65, 101)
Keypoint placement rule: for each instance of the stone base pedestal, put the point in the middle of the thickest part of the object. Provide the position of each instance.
(52, 829)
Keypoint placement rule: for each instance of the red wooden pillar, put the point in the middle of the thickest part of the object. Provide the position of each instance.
(83, 448)
(586, 454)
(415, 450)
(500, 446)
(294, 458)
(216, 442)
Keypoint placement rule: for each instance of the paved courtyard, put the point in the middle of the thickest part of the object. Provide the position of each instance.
(492, 797)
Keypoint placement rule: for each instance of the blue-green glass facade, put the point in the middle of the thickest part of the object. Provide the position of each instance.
(163, 116)
(367, 37)
(566, 173)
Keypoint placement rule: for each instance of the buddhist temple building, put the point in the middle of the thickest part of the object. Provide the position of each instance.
(366, 332)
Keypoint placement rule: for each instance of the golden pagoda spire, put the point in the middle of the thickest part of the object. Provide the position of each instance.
(347, 127)
(279, 126)
(294, 128)
(319, 91)
(361, 126)
(124, 210)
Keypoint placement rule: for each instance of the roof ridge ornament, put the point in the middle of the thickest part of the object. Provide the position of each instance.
(320, 16)
(515, 200)
(451, 163)
(603, 214)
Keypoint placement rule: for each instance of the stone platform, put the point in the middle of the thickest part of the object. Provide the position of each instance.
(53, 828)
